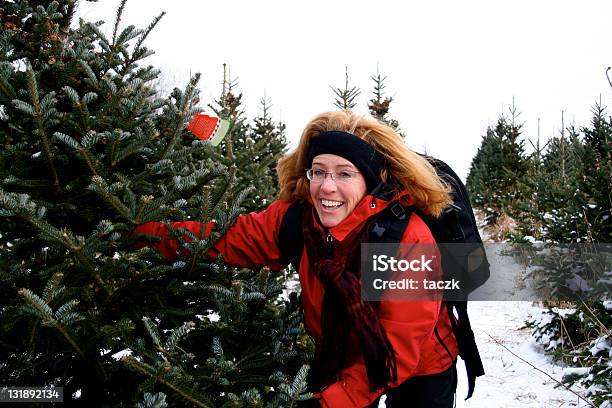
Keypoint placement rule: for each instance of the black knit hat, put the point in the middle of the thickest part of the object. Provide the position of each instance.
(357, 151)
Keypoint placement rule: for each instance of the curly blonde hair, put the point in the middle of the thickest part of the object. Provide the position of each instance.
(404, 170)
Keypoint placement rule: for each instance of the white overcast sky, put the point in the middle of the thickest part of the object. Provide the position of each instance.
(452, 66)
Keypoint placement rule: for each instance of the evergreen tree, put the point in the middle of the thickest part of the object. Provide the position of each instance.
(266, 145)
(595, 184)
(497, 167)
(547, 184)
(89, 151)
(530, 219)
(345, 97)
(379, 104)
(574, 184)
(481, 167)
(560, 175)
(257, 147)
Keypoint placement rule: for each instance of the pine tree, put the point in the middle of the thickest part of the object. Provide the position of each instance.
(561, 172)
(345, 97)
(595, 185)
(379, 104)
(497, 167)
(89, 151)
(575, 188)
(552, 171)
(257, 147)
(480, 168)
(266, 145)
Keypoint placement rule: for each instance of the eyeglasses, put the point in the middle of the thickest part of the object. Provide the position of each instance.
(319, 176)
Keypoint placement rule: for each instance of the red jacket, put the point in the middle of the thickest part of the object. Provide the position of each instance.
(252, 242)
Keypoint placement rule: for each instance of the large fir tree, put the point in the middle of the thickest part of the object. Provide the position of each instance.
(89, 150)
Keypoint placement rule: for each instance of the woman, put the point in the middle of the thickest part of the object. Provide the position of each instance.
(363, 349)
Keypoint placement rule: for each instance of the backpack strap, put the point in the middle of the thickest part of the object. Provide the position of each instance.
(291, 236)
(468, 350)
(390, 225)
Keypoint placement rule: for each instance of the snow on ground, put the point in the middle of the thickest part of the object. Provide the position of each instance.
(504, 342)
(510, 382)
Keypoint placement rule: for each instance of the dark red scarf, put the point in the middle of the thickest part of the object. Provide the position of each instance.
(350, 327)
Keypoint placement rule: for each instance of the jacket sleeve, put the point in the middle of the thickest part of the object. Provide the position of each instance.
(409, 325)
(251, 242)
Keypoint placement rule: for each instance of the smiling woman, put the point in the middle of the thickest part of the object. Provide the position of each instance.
(335, 197)
(346, 171)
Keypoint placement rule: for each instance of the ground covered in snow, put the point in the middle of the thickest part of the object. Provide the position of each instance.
(518, 373)
(509, 381)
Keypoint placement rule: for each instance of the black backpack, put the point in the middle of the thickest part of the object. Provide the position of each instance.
(456, 225)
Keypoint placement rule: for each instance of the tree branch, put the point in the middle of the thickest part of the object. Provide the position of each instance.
(543, 372)
(38, 116)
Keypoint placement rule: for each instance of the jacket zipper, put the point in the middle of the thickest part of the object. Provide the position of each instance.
(330, 243)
